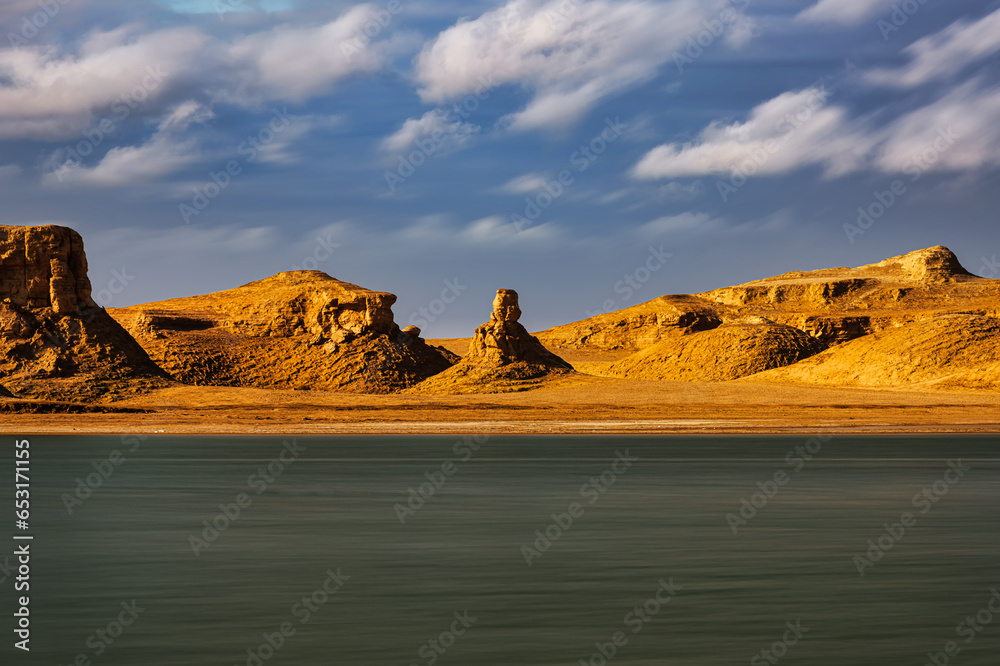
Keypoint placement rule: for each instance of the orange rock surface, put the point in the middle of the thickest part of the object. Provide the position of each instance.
(294, 330)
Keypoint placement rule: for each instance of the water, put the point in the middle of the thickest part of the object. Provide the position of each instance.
(663, 519)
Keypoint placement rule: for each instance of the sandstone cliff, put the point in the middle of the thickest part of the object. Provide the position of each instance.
(832, 305)
(56, 342)
(294, 330)
(702, 337)
(953, 351)
(502, 356)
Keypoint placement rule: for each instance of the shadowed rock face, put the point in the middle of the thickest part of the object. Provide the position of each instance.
(293, 330)
(724, 353)
(55, 342)
(502, 356)
(502, 340)
(833, 305)
(44, 267)
(842, 326)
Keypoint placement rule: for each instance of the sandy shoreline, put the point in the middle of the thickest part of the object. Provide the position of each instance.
(582, 405)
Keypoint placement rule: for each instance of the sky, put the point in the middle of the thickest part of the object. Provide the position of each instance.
(591, 154)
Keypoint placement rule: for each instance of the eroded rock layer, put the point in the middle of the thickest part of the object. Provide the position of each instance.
(295, 330)
(945, 352)
(721, 354)
(502, 356)
(56, 342)
(831, 306)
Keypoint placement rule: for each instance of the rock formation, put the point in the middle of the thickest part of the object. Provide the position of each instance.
(721, 354)
(832, 306)
(636, 327)
(502, 356)
(954, 351)
(56, 342)
(294, 330)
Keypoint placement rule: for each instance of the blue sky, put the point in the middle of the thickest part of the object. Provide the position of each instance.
(561, 148)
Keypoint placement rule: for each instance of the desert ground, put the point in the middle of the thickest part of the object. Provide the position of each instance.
(577, 404)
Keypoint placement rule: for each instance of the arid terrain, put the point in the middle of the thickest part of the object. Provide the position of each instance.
(909, 344)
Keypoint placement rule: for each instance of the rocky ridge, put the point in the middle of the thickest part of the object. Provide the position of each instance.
(56, 342)
(293, 330)
(954, 351)
(669, 338)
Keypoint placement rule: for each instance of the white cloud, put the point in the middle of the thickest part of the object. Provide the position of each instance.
(843, 12)
(498, 229)
(282, 150)
(944, 54)
(783, 133)
(50, 93)
(184, 115)
(297, 62)
(444, 231)
(569, 54)
(965, 117)
(165, 152)
(50, 96)
(686, 222)
(524, 184)
(435, 131)
(144, 245)
(956, 132)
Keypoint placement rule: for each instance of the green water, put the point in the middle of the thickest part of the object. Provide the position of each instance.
(333, 507)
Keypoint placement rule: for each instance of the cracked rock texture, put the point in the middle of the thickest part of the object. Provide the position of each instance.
(56, 342)
(502, 356)
(839, 326)
(293, 330)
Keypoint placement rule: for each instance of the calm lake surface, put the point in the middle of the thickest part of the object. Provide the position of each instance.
(339, 512)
